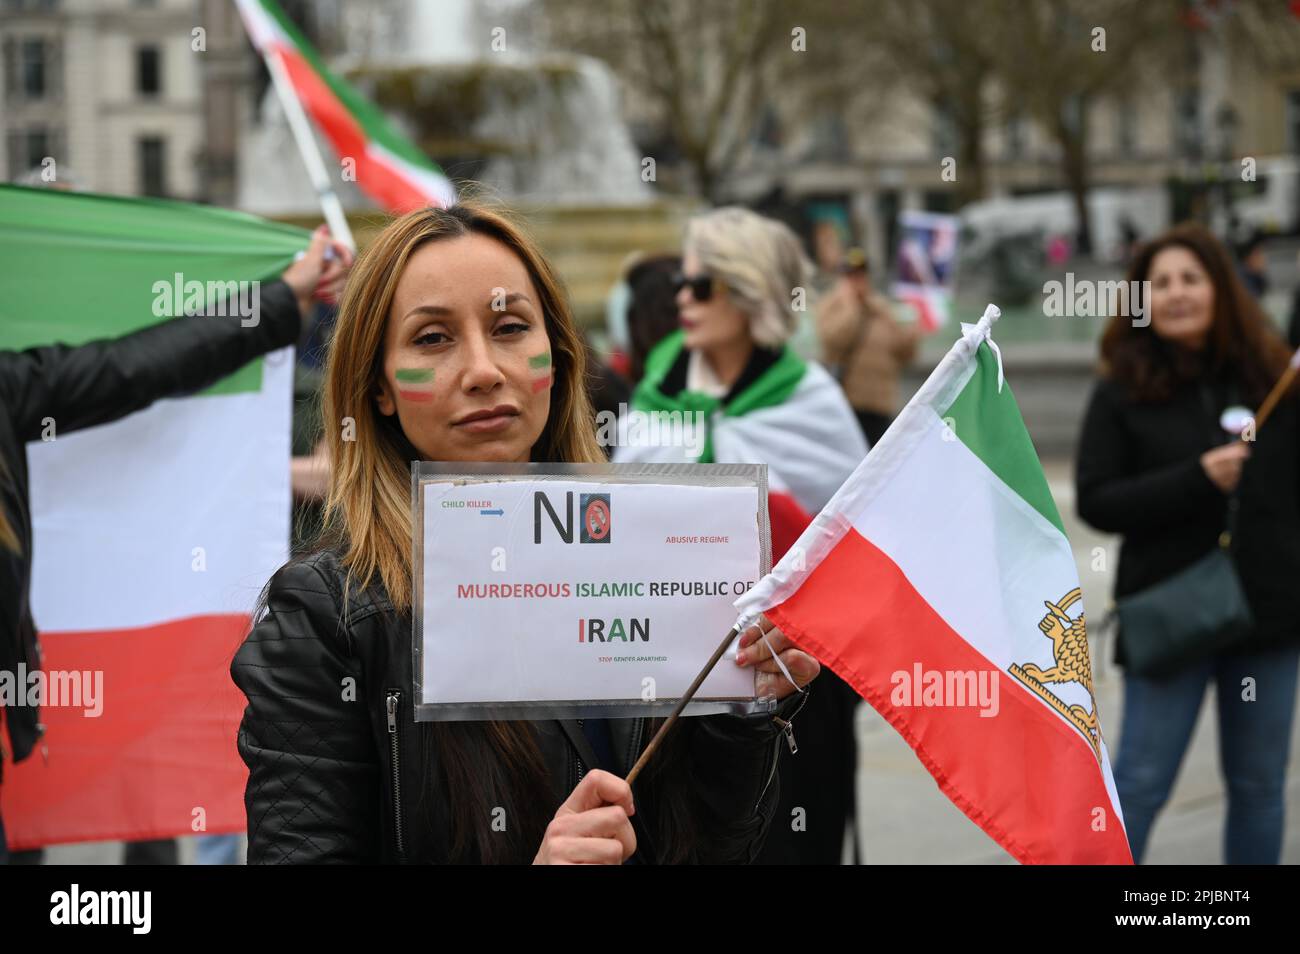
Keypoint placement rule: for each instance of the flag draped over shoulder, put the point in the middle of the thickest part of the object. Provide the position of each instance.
(389, 167)
(939, 583)
(792, 417)
(153, 535)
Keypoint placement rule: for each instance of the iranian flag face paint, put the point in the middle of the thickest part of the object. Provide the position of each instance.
(415, 384)
(539, 367)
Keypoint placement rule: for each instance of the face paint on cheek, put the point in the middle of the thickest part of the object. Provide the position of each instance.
(415, 384)
(539, 367)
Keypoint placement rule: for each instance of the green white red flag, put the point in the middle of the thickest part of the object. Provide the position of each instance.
(389, 168)
(939, 583)
(153, 534)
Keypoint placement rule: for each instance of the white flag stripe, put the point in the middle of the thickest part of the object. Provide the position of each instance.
(207, 471)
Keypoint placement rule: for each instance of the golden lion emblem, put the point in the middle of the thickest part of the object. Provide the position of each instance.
(1072, 664)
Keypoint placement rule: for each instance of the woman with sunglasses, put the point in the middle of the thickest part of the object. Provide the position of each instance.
(424, 366)
(730, 369)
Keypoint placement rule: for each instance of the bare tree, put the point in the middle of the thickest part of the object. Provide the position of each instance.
(1058, 57)
(706, 68)
(942, 51)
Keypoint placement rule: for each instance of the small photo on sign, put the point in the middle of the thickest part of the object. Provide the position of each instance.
(595, 518)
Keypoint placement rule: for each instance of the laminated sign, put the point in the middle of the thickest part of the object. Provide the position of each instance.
(549, 591)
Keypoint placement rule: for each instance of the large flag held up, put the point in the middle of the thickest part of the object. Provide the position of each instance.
(389, 167)
(939, 583)
(152, 535)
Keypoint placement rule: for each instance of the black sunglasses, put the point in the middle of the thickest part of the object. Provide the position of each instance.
(701, 286)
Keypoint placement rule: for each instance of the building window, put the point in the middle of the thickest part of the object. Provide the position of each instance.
(1187, 122)
(148, 71)
(1015, 135)
(31, 68)
(944, 129)
(1293, 120)
(1126, 127)
(29, 6)
(152, 151)
(27, 149)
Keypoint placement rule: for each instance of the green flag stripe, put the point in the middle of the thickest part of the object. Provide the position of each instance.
(990, 425)
(82, 266)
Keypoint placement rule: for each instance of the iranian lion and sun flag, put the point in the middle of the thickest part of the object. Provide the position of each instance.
(943, 550)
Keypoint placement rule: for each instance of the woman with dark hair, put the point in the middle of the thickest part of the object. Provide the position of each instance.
(651, 308)
(1155, 465)
(336, 780)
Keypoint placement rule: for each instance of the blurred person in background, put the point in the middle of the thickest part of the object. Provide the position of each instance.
(731, 362)
(651, 308)
(1156, 465)
(102, 381)
(865, 344)
(1252, 261)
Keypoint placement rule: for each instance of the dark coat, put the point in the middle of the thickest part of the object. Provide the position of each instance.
(335, 780)
(1139, 474)
(96, 383)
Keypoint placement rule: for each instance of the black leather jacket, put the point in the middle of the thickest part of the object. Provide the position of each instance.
(91, 384)
(334, 780)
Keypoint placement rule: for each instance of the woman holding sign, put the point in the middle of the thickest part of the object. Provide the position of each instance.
(455, 343)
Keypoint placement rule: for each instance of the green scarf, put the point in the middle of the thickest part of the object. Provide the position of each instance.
(773, 387)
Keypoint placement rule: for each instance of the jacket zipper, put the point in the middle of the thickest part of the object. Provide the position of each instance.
(394, 701)
(786, 727)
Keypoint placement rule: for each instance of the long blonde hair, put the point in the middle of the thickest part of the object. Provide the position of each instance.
(368, 516)
(368, 508)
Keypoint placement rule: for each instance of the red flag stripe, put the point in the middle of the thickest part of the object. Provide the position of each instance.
(163, 746)
(382, 182)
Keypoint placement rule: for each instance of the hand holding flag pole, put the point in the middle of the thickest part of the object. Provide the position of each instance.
(742, 626)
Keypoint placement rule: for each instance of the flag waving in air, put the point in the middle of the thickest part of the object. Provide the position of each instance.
(153, 534)
(939, 583)
(389, 168)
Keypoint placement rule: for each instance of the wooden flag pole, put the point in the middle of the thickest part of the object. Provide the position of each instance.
(681, 704)
(1279, 389)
